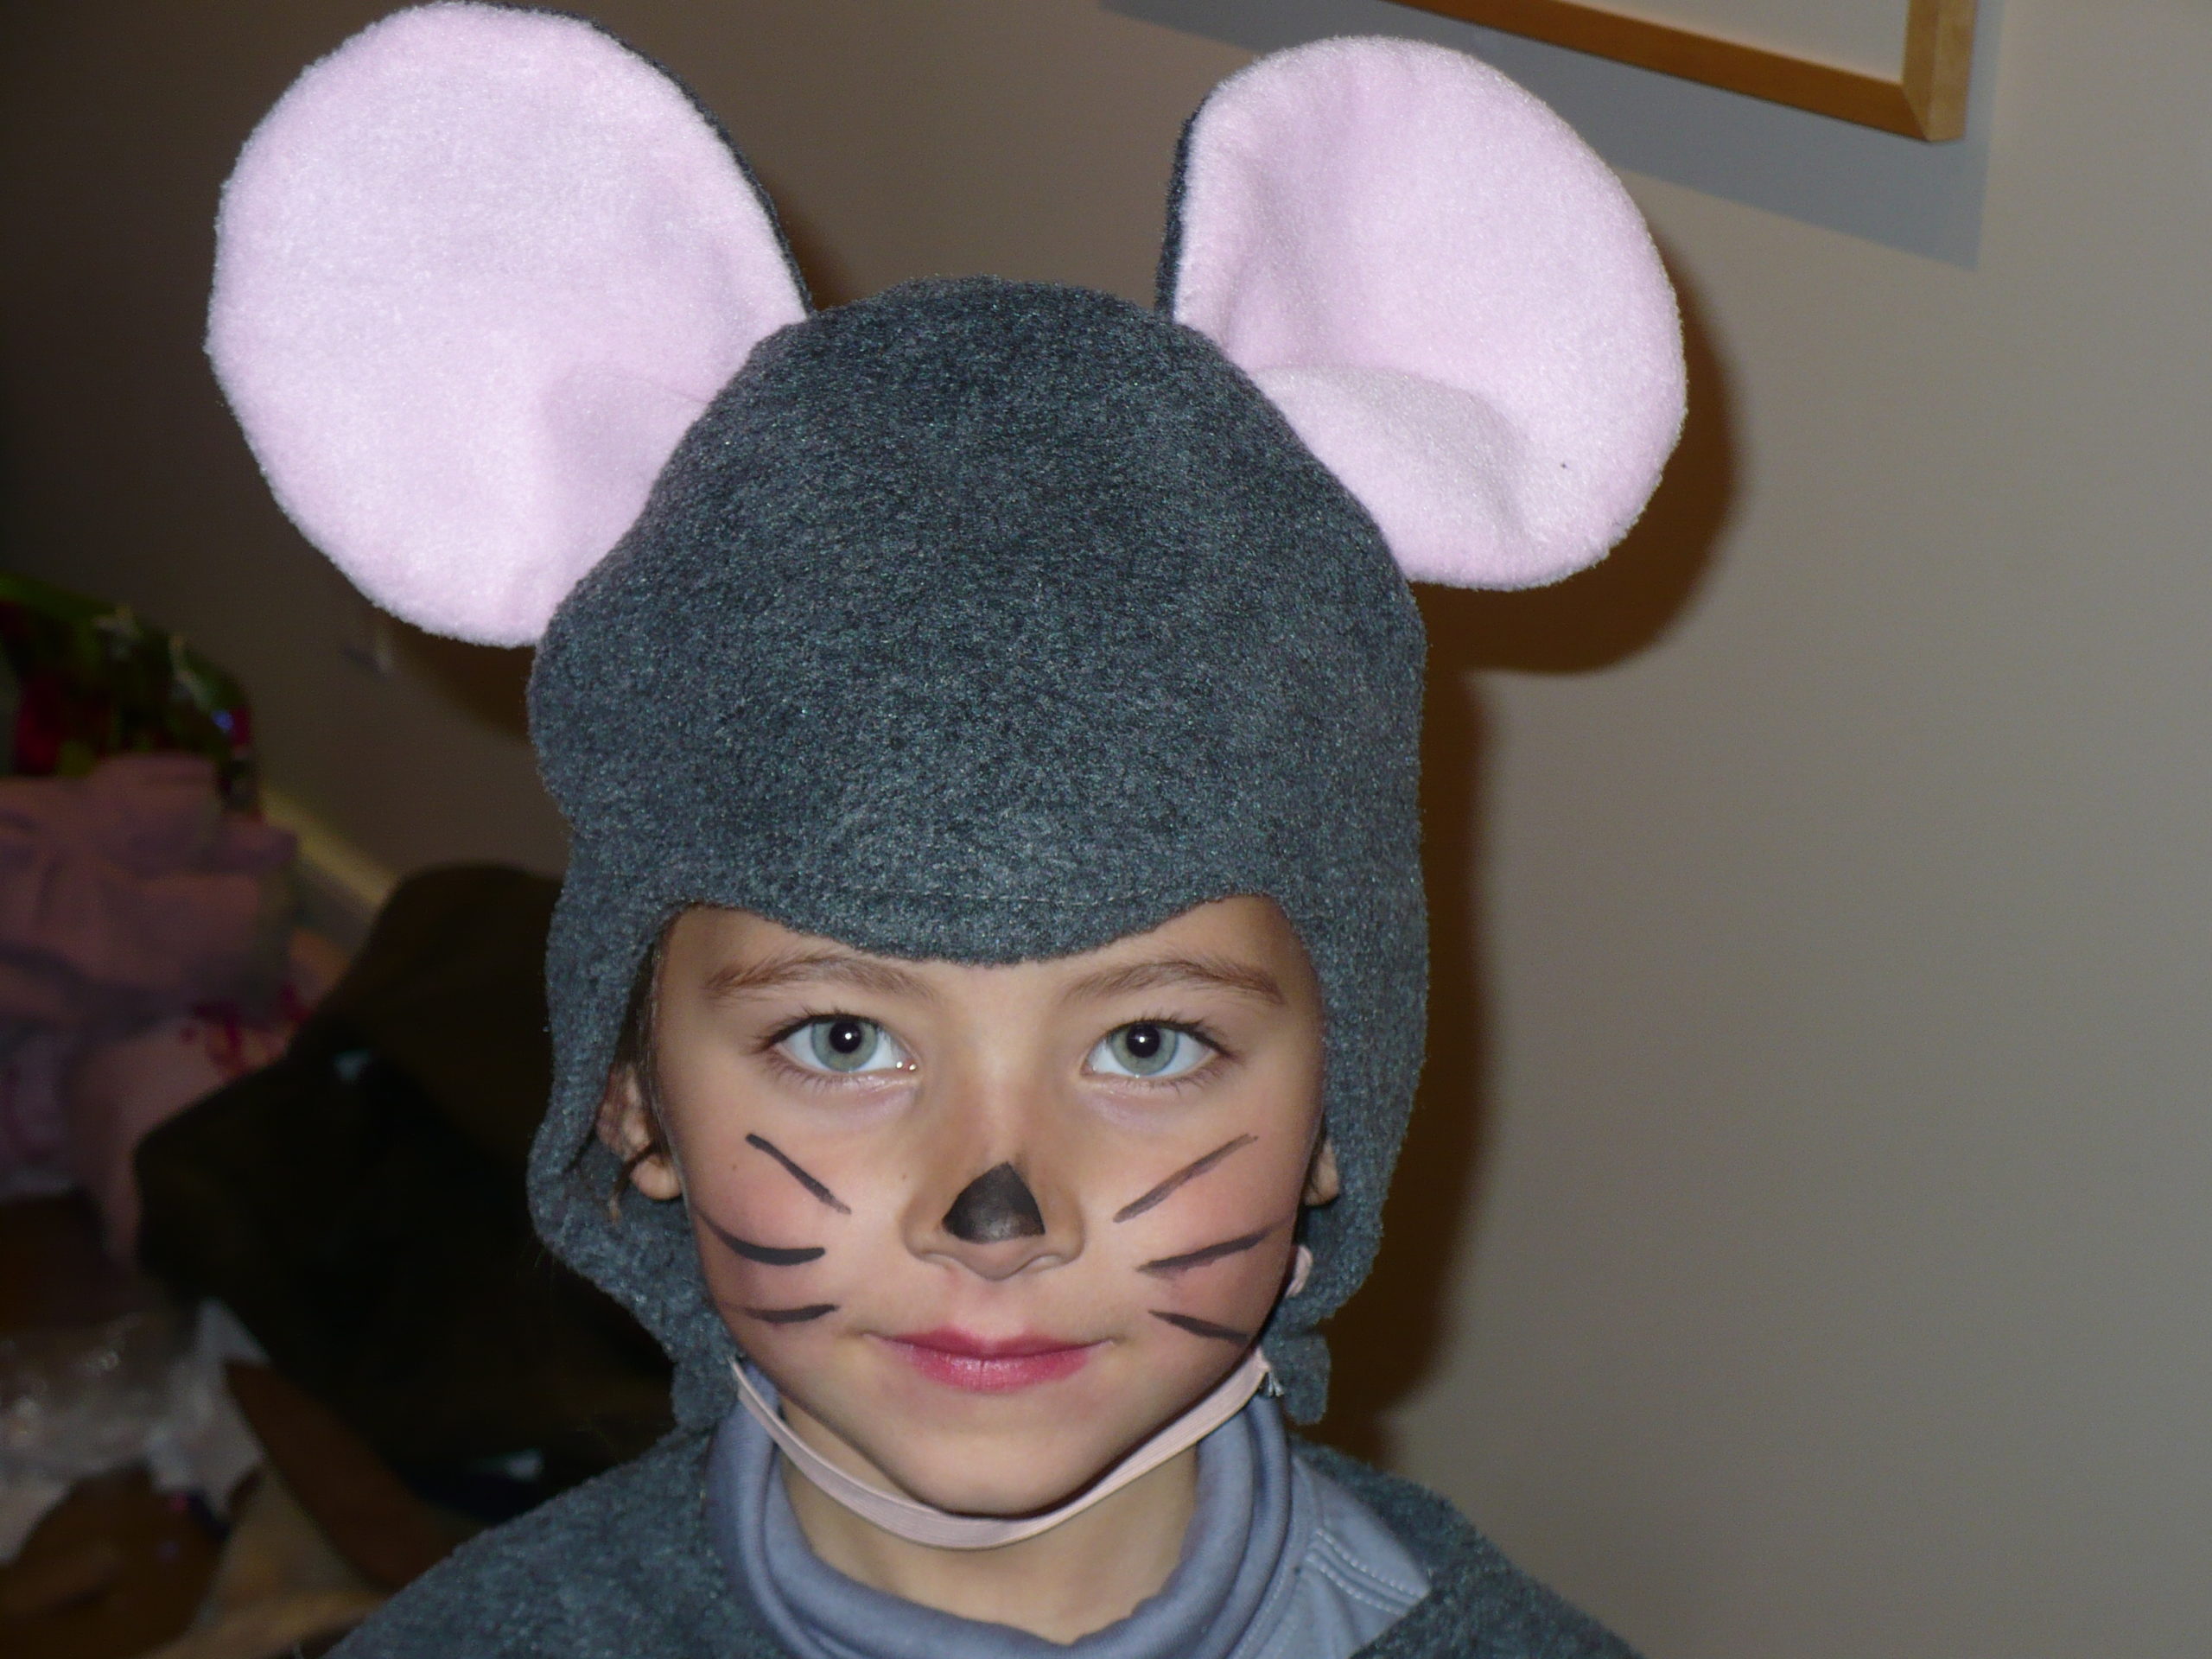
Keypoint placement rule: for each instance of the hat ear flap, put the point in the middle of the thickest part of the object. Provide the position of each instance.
(1451, 298)
(476, 274)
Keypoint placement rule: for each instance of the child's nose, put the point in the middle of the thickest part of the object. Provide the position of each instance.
(995, 1227)
(995, 1208)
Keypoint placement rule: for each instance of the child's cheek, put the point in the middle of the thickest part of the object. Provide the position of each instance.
(772, 1250)
(1213, 1261)
(1226, 1303)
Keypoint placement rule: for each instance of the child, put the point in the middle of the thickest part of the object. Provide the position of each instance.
(987, 985)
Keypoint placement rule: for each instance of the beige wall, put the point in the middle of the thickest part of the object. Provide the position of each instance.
(1808, 1252)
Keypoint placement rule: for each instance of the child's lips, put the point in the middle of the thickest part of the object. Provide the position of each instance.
(990, 1366)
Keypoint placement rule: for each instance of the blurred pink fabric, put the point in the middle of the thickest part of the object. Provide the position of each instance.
(475, 274)
(145, 959)
(130, 892)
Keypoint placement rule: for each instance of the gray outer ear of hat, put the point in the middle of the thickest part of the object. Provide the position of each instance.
(514, 339)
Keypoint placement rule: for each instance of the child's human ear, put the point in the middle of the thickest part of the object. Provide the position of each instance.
(1321, 1183)
(628, 1129)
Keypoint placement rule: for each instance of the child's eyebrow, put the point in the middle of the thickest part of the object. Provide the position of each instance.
(737, 978)
(1206, 973)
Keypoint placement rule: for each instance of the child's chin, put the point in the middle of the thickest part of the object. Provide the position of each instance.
(1006, 1469)
(1012, 1480)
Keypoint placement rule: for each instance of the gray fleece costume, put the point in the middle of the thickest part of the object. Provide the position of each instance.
(978, 620)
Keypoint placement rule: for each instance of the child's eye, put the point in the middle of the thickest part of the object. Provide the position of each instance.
(845, 1044)
(1148, 1049)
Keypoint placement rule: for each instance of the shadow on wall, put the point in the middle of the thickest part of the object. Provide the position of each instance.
(488, 683)
(1391, 1337)
(828, 278)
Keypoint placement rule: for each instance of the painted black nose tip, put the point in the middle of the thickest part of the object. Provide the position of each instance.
(997, 1206)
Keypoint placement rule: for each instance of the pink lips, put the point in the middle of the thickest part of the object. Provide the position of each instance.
(962, 1361)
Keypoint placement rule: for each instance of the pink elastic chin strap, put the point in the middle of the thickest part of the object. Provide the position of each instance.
(920, 1523)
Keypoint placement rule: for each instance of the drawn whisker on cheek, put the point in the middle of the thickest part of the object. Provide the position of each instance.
(768, 1255)
(1189, 1172)
(1173, 1264)
(789, 1315)
(792, 1168)
(1204, 1327)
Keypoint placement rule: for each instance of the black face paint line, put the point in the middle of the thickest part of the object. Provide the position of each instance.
(768, 1255)
(1189, 1173)
(1169, 1265)
(798, 1174)
(995, 1207)
(1204, 1328)
(789, 1315)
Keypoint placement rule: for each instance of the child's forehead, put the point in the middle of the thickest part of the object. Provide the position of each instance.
(1241, 945)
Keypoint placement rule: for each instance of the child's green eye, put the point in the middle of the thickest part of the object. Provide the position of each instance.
(844, 1043)
(1148, 1049)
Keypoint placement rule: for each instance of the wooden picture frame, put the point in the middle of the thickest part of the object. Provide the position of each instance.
(1928, 101)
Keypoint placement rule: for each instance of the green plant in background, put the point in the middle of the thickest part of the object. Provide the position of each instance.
(81, 678)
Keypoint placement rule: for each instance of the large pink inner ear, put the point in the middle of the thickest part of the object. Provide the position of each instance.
(476, 273)
(1451, 298)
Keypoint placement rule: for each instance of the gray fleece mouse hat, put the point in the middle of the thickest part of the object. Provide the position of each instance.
(980, 619)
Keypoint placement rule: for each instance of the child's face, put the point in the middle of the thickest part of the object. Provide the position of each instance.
(987, 1228)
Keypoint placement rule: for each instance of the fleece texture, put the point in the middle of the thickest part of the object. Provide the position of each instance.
(988, 622)
(625, 1566)
(1451, 298)
(475, 274)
